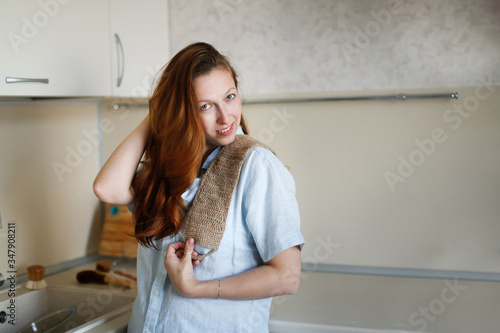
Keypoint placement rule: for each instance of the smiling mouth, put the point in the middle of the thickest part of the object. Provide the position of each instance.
(226, 130)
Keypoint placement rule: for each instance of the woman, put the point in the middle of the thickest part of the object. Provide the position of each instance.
(195, 116)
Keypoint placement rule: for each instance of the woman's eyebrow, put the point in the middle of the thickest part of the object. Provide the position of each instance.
(208, 100)
(232, 88)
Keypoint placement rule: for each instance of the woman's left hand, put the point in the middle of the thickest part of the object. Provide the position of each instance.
(179, 265)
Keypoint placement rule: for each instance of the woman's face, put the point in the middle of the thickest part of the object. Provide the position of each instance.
(219, 106)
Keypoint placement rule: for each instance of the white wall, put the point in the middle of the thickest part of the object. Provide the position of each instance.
(443, 213)
(46, 173)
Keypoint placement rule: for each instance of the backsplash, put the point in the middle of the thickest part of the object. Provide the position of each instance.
(50, 156)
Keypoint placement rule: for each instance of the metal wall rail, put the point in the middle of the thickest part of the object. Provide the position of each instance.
(398, 97)
(401, 97)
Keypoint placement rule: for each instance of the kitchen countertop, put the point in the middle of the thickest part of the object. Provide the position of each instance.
(67, 278)
(329, 302)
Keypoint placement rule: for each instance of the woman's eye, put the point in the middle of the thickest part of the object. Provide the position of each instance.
(205, 107)
(230, 96)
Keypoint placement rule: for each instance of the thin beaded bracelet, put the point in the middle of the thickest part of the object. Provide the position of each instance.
(218, 296)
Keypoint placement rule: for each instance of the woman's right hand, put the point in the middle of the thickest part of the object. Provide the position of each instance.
(180, 267)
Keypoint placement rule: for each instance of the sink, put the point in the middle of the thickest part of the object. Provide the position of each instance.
(73, 309)
(49, 323)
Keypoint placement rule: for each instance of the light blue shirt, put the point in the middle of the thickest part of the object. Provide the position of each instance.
(263, 220)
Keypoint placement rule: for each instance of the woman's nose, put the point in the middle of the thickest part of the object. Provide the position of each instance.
(222, 114)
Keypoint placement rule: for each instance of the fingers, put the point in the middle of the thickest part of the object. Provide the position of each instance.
(176, 246)
(173, 249)
(189, 248)
(180, 254)
(181, 249)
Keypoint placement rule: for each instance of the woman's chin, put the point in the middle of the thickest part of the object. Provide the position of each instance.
(225, 141)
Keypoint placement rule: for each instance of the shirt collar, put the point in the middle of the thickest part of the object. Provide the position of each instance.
(213, 154)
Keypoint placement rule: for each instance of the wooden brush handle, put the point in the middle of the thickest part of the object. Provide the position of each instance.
(119, 282)
(130, 276)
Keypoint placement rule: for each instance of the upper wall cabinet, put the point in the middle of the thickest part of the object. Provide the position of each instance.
(139, 45)
(54, 48)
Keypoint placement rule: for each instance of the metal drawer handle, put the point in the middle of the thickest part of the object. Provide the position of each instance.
(120, 45)
(24, 80)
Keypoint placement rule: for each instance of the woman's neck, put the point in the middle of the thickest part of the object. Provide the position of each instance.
(208, 151)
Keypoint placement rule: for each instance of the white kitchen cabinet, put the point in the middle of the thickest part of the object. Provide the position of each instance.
(139, 45)
(62, 45)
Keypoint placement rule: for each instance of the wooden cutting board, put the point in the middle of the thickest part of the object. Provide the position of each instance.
(115, 239)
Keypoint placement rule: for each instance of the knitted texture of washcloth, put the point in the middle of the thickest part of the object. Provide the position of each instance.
(206, 219)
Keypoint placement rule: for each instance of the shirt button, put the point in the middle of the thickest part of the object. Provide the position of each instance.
(156, 293)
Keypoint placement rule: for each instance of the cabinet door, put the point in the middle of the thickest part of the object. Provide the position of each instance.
(61, 41)
(140, 45)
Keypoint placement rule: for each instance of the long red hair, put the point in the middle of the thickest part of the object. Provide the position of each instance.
(174, 148)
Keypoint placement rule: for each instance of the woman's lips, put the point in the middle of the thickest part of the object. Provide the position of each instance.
(226, 131)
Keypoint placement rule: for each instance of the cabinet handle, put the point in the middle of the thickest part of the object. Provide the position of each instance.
(120, 76)
(23, 80)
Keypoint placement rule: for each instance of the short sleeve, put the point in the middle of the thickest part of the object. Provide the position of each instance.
(270, 209)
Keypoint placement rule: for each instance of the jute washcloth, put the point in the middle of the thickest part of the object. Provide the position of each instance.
(206, 219)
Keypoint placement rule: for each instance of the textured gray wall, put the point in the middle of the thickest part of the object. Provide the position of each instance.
(286, 46)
